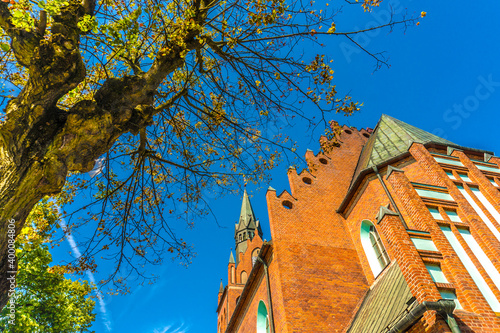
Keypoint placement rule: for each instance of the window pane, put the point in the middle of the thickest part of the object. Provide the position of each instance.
(487, 168)
(453, 215)
(447, 161)
(424, 244)
(436, 273)
(471, 269)
(479, 211)
(450, 174)
(373, 247)
(492, 181)
(435, 213)
(465, 177)
(433, 194)
(481, 256)
(448, 294)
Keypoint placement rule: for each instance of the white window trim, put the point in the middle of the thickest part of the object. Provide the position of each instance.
(471, 269)
(480, 212)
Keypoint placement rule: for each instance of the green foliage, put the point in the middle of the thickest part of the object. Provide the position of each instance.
(46, 301)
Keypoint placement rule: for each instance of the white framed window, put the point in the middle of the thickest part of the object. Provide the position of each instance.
(448, 161)
(263, 325)
(465, 177)
(449, 294)
(423, 244)
(479, 211)
(471, 269)
(433, 194)
(436, 273)
(481, 256)
(452, 214)
(435, 213)
(491, 168)
(374, 249)
(492, 181)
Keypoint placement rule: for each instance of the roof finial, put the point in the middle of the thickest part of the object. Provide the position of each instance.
(221, 288)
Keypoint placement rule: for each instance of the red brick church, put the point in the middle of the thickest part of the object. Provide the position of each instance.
(394, 230)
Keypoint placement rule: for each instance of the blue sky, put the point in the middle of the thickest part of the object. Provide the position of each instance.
(444, 78)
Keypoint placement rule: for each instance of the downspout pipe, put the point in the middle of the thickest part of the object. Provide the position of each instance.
(393, 203)
(443, 307)
(271, 319)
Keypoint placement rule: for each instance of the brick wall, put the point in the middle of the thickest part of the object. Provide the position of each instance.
(320, 273)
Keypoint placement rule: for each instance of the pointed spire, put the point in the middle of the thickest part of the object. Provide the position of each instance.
(246, 213)
(247, 226)
(221, 288)
(231, 258)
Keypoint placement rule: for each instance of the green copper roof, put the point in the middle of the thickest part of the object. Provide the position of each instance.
(391, 138)
(247, 215)
(388, 298)
(231, 258)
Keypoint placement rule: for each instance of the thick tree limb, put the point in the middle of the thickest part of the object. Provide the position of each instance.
(23, 43)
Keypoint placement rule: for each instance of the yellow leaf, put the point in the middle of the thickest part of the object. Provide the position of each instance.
(332, 28)
(423, 14)
(257, 83)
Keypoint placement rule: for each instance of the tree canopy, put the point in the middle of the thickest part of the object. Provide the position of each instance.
(46, 301)
(174, 99)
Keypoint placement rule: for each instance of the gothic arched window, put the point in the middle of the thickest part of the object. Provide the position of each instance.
(255, 254)
(244, 277)
(262, 319)
(373, 247)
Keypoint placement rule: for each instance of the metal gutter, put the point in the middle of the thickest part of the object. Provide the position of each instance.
(443, 307)
(268, 293)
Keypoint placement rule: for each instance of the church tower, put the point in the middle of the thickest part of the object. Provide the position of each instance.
(247, 226)
(248, 242)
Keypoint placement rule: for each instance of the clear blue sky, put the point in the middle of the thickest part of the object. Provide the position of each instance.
(444, 78)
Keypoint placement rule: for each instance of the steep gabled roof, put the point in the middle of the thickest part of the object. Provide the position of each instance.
(391, 138)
